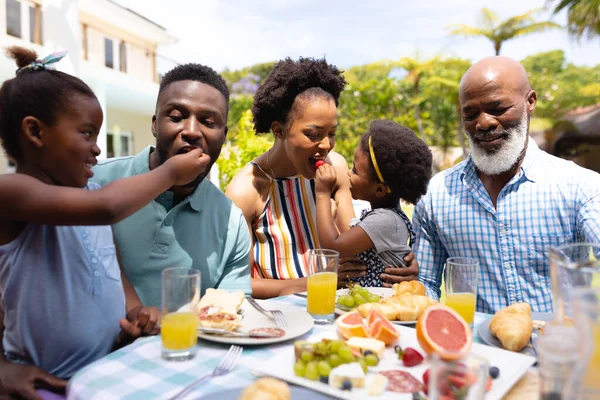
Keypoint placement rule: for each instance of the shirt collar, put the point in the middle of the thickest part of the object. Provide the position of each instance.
(196, 199)
(530, 167)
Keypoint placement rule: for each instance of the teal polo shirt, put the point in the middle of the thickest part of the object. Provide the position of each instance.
(205, 231)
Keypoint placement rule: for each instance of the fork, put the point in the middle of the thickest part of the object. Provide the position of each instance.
(226, 365)
(277, 315)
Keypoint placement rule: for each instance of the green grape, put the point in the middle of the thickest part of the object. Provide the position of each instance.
(335, 345)
(346, 301)
(362, 291)
(335, 360)
(371, 360)
(311, 371)
(320, 348)
(372, 298)
(299, 368)
(306, 356)
(358, 299)
(323, 368)
(363, 364)
(345, 354)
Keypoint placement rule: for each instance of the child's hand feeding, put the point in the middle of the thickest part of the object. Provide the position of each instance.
(186, 167)
(326, 178)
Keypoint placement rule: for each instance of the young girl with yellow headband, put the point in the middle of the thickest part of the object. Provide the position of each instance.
(390, 163)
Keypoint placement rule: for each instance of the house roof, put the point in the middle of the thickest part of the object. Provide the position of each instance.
(138, 14)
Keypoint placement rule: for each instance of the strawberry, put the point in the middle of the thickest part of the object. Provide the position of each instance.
(319, 163)
(426, 382)
(409, 356)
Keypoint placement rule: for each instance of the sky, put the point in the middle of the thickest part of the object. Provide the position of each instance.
(237, 33)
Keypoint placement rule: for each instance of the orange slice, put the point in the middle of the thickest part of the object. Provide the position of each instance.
(351, 325)
(380, 328)
(442, 331)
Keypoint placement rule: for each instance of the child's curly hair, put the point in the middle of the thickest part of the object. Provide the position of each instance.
(403, 159)
(274, 99)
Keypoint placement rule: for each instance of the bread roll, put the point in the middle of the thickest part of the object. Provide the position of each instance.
(513, 326)
(267, 389)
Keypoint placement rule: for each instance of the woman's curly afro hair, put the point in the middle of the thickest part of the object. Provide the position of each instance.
(403, 159)
(274, 99)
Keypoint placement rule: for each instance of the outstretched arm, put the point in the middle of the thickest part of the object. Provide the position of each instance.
(348, 243)
(341, 195)
(27, 199)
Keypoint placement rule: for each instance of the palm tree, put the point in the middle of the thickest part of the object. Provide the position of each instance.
(583, 17)
(498, 31)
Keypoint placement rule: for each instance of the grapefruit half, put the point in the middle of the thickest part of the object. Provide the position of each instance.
(380, 328)
(351, 325)
(442, 331)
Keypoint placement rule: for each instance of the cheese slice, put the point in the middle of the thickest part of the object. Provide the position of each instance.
(351, 371)
(378, 385)
(364, 344)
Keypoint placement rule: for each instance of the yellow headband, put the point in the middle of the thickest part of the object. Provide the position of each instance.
(374, 162)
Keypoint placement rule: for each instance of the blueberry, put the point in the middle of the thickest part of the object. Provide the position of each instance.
(324, 379)
(367, 352)
(347, 385)
(494, 372)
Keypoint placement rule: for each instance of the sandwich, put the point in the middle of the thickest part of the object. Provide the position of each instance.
(219, 309)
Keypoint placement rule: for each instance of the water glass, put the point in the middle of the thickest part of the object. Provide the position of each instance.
(466, 378)
(558, 354)
(460, 280)
(572, 266)
(179, 324)
(322, 285)
(585, 378)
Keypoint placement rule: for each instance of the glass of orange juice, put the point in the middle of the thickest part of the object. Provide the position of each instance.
(179, 324)
(322, 285)
(460, 278)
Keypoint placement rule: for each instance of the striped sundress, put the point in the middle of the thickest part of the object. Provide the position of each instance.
(286, 229)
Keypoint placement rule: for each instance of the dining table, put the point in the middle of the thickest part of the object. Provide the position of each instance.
(138, 372)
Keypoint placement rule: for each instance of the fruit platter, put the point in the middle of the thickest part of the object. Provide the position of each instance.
(370, 358)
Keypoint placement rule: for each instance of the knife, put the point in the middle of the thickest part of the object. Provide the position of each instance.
(225, 332)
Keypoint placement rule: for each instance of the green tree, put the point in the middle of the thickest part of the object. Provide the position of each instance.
(246, 148)
(583, 17)
(499, 31)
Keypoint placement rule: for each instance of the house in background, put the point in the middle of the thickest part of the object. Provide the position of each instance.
(111, 48)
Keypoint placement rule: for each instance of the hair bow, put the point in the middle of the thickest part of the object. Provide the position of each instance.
(46, 62)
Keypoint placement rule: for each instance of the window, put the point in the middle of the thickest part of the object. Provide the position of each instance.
(35, 24)
(118, 145)
(123, 56)
(13, 18)
(108, 53)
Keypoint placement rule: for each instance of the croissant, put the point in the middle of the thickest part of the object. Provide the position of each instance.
(513, 326)
(410, 287)
(387, 310)
(409, 306)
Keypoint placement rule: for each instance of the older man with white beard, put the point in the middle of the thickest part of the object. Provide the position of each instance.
(508, 201)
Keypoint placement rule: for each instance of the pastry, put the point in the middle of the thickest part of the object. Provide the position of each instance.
(387, 310)
(409, 307)
(410, 287)
(513, 326)
(267, 389)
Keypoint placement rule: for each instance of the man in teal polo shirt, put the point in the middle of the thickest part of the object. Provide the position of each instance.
(194, 225)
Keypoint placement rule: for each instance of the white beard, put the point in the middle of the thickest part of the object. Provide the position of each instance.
(506, 157)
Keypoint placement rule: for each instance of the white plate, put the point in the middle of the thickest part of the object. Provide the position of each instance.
(488, 338)
(298, 320)
(512, 366)
(379, 291)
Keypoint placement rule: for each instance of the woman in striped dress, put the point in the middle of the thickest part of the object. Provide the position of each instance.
(276, 191)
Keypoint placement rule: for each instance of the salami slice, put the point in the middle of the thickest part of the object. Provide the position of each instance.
(402, 382)
(274, 332)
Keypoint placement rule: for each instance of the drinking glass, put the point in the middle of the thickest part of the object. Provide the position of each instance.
(572, 266)
(179, 324)
(466, 378)
(460, 279)
(322, 285)
(558, 354)
(585, 378)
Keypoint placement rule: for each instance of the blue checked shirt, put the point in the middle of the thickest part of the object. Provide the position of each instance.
(549, 202)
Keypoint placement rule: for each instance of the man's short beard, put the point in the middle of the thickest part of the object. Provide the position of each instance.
(503, 159)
